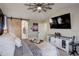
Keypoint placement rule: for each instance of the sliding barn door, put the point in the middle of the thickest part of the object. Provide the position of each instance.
(15, 26)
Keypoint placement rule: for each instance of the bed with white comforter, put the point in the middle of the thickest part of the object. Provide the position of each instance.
(42, 49)
(8, 42)
(47, 49)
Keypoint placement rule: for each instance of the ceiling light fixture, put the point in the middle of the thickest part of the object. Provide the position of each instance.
(39, 6)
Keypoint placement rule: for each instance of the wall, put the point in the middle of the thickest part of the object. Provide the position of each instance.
(42, 32)
(74, 11)
(32, 34)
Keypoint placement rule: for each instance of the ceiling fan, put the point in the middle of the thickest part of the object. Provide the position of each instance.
(39, 6)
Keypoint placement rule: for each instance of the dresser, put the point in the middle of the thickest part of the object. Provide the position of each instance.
(61, 43)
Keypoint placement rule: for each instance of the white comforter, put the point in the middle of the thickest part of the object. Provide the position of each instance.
(7, 44)
(47, 49)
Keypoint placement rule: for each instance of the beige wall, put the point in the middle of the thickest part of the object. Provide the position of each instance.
(74, 12)
(31, 34)
(41, 30)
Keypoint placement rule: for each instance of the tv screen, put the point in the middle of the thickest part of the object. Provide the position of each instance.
(61, 22)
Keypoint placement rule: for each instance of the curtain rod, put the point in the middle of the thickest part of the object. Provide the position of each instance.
(17, 18)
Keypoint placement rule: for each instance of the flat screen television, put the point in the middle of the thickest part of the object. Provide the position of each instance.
(61, 22)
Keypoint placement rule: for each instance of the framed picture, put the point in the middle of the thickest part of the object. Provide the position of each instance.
(61, 22)
(35, 27)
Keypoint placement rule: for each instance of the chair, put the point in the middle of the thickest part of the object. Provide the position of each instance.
(74, 47)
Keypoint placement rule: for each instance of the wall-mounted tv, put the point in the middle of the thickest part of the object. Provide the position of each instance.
(61, 22)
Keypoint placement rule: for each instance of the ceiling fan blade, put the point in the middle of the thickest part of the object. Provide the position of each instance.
(47, 7)
(42, 6)
(34, 10)
(29, 4)
(39, 11)
(43, 9)
(49, 3)
(30, 8)
(33, 7)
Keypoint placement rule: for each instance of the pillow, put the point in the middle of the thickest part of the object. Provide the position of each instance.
(18, 42)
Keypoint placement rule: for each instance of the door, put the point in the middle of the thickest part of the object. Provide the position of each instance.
(24, 29)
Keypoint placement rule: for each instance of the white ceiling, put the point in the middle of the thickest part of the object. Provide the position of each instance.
(19, 10)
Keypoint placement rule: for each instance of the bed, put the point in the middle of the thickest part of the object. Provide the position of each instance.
(9, 41)
(8, 44)
(42, 49)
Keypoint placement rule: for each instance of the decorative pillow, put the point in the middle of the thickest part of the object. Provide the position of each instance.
(18, 42)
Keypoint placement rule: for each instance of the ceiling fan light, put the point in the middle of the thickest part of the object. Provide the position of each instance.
(39, 8)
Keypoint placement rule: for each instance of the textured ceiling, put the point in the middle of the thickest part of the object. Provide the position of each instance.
(20, 10)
